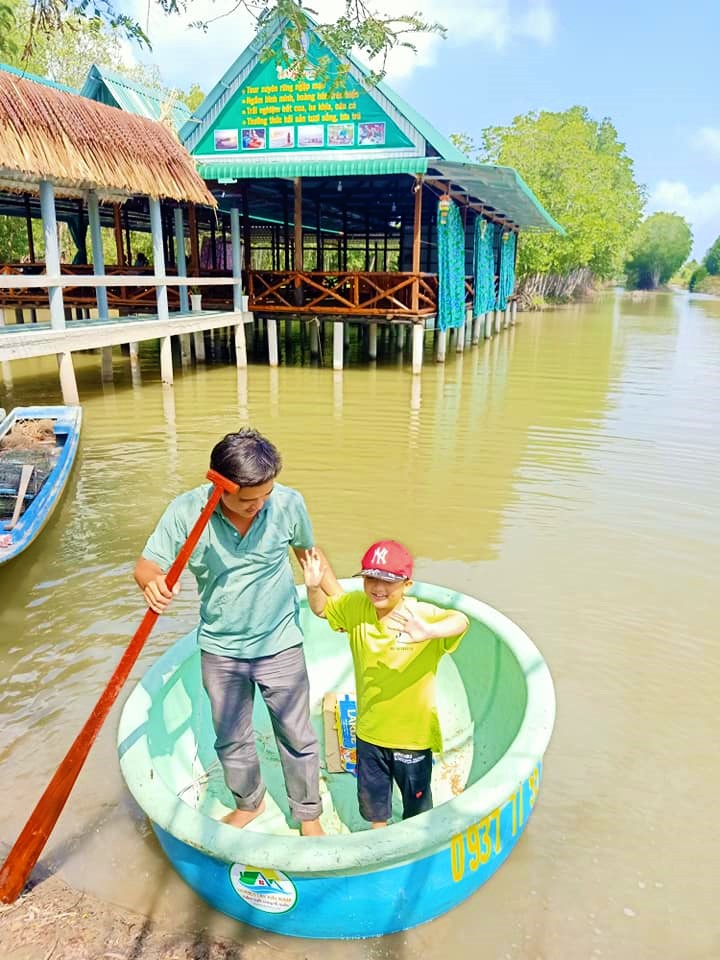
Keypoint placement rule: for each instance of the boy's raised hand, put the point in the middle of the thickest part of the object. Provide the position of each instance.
(313, 568)
(411, 628)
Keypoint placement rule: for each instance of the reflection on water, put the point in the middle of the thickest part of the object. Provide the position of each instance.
(566, 472)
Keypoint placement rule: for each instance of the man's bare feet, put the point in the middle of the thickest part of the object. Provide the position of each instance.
(241, 818)
(378, 824)
(311, 828)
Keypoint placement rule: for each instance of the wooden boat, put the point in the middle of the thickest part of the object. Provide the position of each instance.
(496, 705)
(37, 451)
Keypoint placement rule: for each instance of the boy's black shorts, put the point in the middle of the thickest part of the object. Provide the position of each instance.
(378, 767)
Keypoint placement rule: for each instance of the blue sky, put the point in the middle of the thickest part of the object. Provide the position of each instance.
(651, 67)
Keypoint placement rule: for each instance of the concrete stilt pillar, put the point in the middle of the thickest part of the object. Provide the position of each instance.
(338, 345)
(372, 341)
(166, 365)
(314, 337)
(476, 329)
(107, 365)
(272, 341)
(346, 335)
(497, 315)
(441, 346)
(135, 372)
(52, 258)
(401, 333)
(68, 383)
(133, 345)
(460, 341)
(506, 318)
(488, 328)
(199, 343)
(513, 312)
(6, 371)
(185, 350)
(240, 345)
(418, 335)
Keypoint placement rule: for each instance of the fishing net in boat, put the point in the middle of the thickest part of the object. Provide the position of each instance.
(31, 444)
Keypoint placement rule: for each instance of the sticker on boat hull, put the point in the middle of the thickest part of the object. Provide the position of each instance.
(268, 890)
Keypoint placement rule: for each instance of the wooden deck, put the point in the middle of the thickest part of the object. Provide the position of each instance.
(21, 341)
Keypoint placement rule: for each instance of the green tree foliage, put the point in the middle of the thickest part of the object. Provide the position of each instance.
(661, 245)
(711, 262)
(358, 27)
(582, 175)
(681, 277)
(698, 276)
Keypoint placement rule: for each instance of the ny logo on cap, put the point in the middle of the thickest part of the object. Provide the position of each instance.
(380, 556)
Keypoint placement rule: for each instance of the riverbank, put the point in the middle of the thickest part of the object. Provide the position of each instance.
(52, 921)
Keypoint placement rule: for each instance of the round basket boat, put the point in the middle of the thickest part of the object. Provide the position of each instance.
(496, 705)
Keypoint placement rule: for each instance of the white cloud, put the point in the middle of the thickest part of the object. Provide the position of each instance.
(700, 209)
(187, 56)
(708, 138)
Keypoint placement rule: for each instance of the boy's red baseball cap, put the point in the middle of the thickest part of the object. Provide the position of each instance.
(387, 560)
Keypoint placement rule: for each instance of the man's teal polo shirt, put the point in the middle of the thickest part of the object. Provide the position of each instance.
(248, 607)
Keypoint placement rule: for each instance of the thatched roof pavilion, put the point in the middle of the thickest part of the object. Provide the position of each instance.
(79, 145)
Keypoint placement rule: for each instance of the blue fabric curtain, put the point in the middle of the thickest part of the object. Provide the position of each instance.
(451, 266)
(78, 232)
(484, 294)
(506, 283)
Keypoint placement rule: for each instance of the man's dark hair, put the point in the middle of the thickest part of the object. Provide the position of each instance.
(246, 458)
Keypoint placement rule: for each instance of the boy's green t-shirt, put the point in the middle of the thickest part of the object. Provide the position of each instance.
(395, 681)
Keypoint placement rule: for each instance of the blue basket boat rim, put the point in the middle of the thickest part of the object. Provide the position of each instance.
(365, 850)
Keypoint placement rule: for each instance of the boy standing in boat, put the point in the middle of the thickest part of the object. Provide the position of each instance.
(249, 632)
(397, 643)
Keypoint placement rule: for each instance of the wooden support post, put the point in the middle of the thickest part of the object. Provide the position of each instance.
(247, 232)
(236, 257)
(117, 229)
(52, 257)
(286, 228)
(417, 235)
(418, 334)
(68, 383)
(98, 257)
(338, 345)
(166, 365)
(6, 369)
(240, 345)
(180, 257)
(161, 294)
(194, 241)
(272, 341)
(28, 225)
(106, 374)
(372, 341)
(298, 258)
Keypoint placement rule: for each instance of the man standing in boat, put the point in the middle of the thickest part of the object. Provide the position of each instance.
(249, 632)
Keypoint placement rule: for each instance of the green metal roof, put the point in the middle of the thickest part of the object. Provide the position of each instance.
(116, 90)
(248, 168)
(23, 74)
(501, 188)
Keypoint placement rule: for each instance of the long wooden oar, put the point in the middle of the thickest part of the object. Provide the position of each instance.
(25, 475)
(29, 844)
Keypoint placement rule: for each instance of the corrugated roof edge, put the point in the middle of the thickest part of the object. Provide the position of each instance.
(102, 73)
(26, 75)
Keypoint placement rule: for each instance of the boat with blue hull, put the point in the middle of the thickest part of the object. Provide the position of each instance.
(38, 446)
(496, 705)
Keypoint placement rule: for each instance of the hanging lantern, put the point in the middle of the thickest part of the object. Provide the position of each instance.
(443, 207)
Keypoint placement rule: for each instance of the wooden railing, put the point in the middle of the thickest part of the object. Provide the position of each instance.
(135, 299)
(343, 293)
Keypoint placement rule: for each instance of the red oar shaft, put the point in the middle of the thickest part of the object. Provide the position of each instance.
(29, 845)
